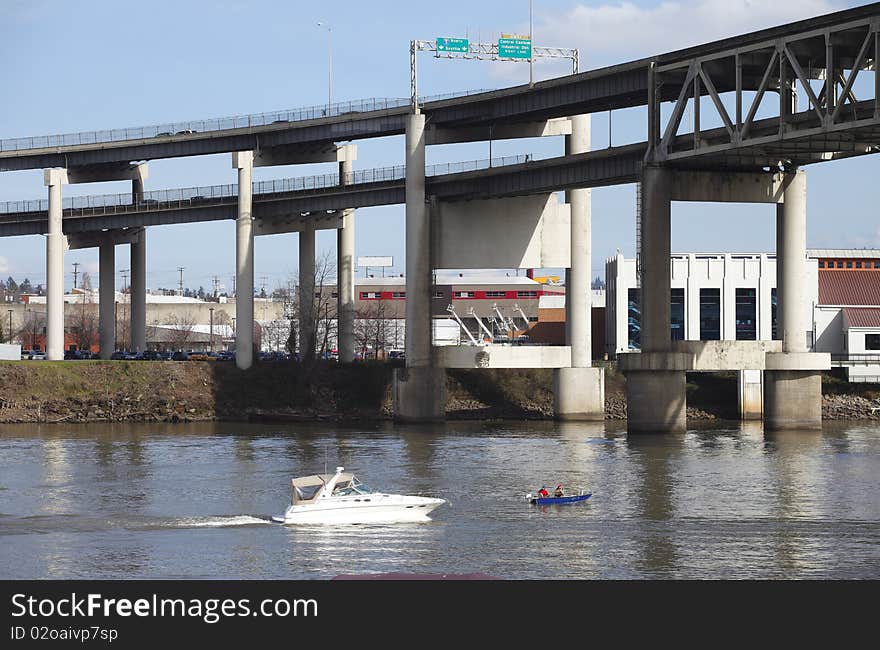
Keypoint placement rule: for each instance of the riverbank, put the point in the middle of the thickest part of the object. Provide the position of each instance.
(120, 391)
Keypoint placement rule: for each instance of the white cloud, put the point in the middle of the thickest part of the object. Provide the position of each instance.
(4, 265)
(617, 32)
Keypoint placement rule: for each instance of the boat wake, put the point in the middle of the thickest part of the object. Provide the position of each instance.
(220, 521)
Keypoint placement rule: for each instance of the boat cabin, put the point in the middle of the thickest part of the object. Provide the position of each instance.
(308, 489)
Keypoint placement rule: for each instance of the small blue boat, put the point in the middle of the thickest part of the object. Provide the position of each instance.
(546, 501)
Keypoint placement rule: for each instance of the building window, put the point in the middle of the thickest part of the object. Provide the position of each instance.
(877, 265)
(872, 341)
(462, 294)
(849, 264)
(399, 294)
(858, 265)
(710, 314)
(369, 295)
(676, 312)
(773, 311)
(746, 321)
(317, 294)
(839, 264)
(526, 294)
(821, 264)
(634, 320)
(438, 294)
(334, 294)
(496, 294)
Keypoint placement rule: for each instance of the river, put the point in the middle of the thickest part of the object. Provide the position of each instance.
(192, 501)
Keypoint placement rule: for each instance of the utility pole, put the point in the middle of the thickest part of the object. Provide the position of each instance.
(216, 281)
(75, 273)
(124, 273)
(181, 269)
(264, 279)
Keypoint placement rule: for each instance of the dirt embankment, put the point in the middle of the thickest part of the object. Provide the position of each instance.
(95, 391)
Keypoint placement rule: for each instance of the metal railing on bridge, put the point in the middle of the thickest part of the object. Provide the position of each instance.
(176, 198)
(855, 359)
(221, 123)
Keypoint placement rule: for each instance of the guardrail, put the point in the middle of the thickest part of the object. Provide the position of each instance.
(220, 123)
(181, 197)
(855, 359)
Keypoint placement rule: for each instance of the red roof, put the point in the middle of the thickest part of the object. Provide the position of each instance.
(862, 317)
(849, 288)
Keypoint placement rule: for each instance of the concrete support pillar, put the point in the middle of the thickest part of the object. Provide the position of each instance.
(655, 393)
(419, 389)
(792, 390)
(138, 290)
(54, 179)
(579, 390)
(107, 300)
(345, 301)
(656, 250)
(792, 276)
(307, 319)
(243, 161)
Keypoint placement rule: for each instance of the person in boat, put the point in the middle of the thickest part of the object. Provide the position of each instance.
(543, 493)
(558, 491)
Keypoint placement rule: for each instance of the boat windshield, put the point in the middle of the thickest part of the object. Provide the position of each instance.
(351, 487)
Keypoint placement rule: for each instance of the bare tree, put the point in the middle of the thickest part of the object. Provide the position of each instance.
(371, 329)
(181, 331)
(83, 327)
(321, 319)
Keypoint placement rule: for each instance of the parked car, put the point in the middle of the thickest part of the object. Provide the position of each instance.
(180, 355)
(185, 132)
(151, 355)
(33, 355)
(164, 134)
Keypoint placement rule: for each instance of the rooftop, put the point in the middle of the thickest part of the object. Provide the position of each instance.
(852, 288)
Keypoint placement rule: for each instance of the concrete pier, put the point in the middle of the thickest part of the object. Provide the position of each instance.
(579, 391)
(419, 390)
(655, 391)
(345, 301)
(106, 300)
(307, 316)
(243, 161)
(55, 244)
(792, 381)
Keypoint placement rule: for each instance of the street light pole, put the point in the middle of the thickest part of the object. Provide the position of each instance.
(531, 47)
(321, 23)
(211, 309)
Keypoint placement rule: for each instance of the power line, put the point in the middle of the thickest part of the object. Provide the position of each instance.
(181, 269)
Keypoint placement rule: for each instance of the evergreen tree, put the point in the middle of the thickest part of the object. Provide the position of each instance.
(26, 287)
(11, 285)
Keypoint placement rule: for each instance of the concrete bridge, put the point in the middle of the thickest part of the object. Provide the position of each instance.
(744, 159)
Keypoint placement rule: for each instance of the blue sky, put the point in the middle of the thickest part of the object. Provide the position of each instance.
(99, 64)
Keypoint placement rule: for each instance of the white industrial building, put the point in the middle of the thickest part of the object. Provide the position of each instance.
(732, 296)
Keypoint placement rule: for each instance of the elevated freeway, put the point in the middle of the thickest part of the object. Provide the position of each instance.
(764, 106)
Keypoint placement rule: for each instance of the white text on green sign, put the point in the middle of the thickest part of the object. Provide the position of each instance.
(514, 48)
(452, 45)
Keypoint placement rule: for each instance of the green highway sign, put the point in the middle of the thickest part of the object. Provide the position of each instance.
(453, 45)
(514, 48)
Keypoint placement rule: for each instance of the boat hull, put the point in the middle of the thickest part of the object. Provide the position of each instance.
(382, 509)
(546, 501)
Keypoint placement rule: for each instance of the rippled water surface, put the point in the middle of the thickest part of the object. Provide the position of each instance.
(193, 501)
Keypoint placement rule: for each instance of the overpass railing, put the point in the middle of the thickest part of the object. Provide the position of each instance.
(80, 206)
(219, 124)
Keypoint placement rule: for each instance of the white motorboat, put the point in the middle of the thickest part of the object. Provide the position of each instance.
(341, 498)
